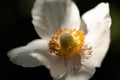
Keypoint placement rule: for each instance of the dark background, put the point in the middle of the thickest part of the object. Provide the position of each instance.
(16, 30)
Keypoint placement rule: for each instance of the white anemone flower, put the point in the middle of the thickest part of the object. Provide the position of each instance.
(70, 47)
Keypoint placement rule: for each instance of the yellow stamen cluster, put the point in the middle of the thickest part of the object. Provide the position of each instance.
(67, 43)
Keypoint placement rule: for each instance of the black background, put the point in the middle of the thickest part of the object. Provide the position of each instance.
(16, 30)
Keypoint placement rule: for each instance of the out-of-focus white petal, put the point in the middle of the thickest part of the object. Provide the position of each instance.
(48, 16)
(36, 54)
(72, 17)
(85, 74)
(98, 22)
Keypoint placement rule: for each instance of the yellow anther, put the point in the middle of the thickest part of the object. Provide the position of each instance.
(67, 43)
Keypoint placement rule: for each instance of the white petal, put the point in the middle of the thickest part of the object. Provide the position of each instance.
(77, 71)
(73, 65)
(72, 17)
(48, 16)
(98, 23)
(36, 54)
(84, 74)
(23, 55)
(98, 14)
(83, 27)
(100, 41)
